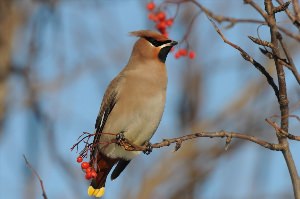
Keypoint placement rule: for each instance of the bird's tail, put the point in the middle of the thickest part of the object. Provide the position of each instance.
(104, 165)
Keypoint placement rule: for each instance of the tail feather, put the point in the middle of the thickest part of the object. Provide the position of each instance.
(104, 165)
(96, 192)
(122, 164)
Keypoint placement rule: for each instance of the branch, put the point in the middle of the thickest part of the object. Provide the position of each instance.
(257, 8)
(261, 42)
(37, 175)
(288, 33)
(289, 58)
(283, 101)
(282, 7)
(292, 116)
(268, 54)
(221, 134)
(296, 9)
(281, 131)
(220, 18)
(233, 21)
(289, 14)
(283, 98)
(250, 59)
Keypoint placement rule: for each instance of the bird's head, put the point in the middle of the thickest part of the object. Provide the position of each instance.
(152, 45)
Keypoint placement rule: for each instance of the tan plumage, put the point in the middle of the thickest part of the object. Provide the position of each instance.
(133, 104)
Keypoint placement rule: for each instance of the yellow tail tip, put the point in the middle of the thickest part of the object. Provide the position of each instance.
(96, 192)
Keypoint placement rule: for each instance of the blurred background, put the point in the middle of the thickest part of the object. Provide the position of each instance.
(58, 56)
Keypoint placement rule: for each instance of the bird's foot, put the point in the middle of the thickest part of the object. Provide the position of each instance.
(119, 138)
(148, 149)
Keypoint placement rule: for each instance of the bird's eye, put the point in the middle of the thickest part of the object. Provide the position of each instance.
(156, 43)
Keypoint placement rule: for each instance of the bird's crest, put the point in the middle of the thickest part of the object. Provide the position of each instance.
(149, 34)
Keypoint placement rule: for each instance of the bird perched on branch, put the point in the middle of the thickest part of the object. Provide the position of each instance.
(132, 107)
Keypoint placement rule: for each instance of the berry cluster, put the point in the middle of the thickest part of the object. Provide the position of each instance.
(86, 167)
(162, 23)
(160, 18)
(184, 52)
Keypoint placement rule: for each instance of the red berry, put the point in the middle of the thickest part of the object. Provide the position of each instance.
(172, 49)
(182, 52)
(94, 174)
(150, 6)
(79, 159)
(88, 170)
(161, 25)
(152, 16)
(169, 22)
(177, 55)
(85, 165)
(161, 16)
(192, 55)
(88, 175)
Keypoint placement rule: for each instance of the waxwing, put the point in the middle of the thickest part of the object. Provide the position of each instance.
(132, 105)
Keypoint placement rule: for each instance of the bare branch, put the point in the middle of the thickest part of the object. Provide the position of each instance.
(282, 132)
(292, 116)
(38, 176)
(270, 56)
(250, 59)
(289, 58)
(289, 14)
(221, 134)
(288, 33)
(257, 8)
(282, 7)
(283, 98)
(233, 21)
(283, 101)
(296, 10)
(261, 42)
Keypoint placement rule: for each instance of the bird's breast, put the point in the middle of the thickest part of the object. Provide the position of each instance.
(137, 112)
(142, 112)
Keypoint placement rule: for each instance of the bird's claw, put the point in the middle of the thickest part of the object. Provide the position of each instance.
(148, 149)
(120, 137)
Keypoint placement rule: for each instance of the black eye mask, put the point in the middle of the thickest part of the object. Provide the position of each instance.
(163, 53)
(157, 43)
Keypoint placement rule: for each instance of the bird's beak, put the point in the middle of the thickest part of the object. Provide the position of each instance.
(173, 43)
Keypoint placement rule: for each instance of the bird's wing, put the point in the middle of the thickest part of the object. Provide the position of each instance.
(108, 102)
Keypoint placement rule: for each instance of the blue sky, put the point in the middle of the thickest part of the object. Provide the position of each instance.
(94, 36)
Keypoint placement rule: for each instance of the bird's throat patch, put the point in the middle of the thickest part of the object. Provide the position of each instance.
(163, 53)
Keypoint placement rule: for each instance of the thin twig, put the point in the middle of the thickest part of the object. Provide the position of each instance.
(289, 58)
(288, 33)
(261, 42)
(190, 26)
(38, 176)
(282, 7)
(257, 8)
(281, 131)
(250, 59)
(270, 56)
(296, 9)
(221, 19)
(234, 21)
(292, 116)
(289, 14)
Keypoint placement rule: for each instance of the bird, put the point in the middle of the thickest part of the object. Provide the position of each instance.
(132, 106)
